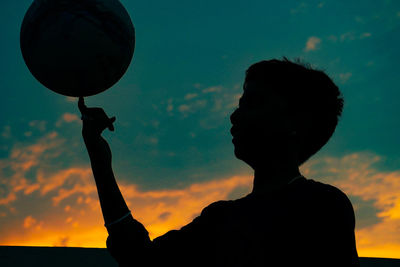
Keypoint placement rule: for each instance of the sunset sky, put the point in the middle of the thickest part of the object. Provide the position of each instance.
(172, 150)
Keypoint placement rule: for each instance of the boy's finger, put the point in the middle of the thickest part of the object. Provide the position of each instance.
(81, 105)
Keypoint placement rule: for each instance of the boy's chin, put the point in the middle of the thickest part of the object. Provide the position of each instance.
(250, 154)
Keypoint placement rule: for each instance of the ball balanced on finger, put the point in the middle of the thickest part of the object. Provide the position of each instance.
(77, 47)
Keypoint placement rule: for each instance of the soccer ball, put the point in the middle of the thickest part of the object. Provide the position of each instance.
(77, 47)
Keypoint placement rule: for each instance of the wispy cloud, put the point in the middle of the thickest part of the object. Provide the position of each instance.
(312, 43)
(170, 106)
(6, 132)
(359, 19)
(349, 36)
(29, 221)
(159, 210)
(212, 89)
(39, 125)
(181, 205)
(72, 216)
(71, 99)
(184, 108)
(70, 197)
(356, 175)
(11, 196)
(146, 139)
(213, 103)
(22, 159)
(67, 118)
(302, 7)
(190, 96)
(365, 35)
(344, 77)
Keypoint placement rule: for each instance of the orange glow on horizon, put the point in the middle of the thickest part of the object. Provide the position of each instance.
(159, 210)
(70, 214)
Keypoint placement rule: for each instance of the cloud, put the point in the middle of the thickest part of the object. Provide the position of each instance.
(170, 106)
(146, 140)
(365, 35)
(79, 222)
(212, 89)
(370, 63)
(349, 36)
(302, 7)
(192, 107)
(312, 43)
(164, 216)
(174, 208)
(11, 196)
(344, 77)
(184, 108)
(222, 105)
(356, 175)
(29, 221)
(197, 85)
(332, 38)
(63, 242)
(6, 132)
(359, 19)
(25, 157)
(190, 96)
(71, 99)
(31, 176)
(213, 105)
(80, 178)
(68, 118)
(70, 212)
(39, 125)
(22, 160)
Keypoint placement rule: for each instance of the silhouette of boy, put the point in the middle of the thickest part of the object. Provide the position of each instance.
(286, 114)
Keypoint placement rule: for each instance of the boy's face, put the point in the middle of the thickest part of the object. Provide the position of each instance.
(261, 124)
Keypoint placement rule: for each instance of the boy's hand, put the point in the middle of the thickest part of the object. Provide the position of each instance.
(95, 120)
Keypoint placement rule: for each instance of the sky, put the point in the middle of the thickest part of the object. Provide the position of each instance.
(172, 149)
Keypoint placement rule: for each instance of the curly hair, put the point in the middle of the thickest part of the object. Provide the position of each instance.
(308, 91)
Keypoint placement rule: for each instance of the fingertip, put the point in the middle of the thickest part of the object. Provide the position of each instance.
(81, 104)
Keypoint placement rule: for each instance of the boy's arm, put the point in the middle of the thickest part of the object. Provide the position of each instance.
(112, 202)
(126, 235)
(95, 121)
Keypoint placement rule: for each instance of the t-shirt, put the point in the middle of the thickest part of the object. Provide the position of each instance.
(305, 223)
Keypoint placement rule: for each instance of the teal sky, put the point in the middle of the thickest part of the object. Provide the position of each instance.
(173, 104)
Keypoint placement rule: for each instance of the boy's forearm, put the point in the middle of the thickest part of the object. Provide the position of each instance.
(111, 200)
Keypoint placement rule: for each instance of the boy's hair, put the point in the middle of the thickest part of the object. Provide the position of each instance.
(306, 89)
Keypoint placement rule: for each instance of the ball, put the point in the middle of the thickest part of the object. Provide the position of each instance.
(77, 47)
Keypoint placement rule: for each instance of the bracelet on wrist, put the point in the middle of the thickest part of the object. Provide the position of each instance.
(118, 220)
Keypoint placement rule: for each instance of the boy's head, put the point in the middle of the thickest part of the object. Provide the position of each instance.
(285, 101)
